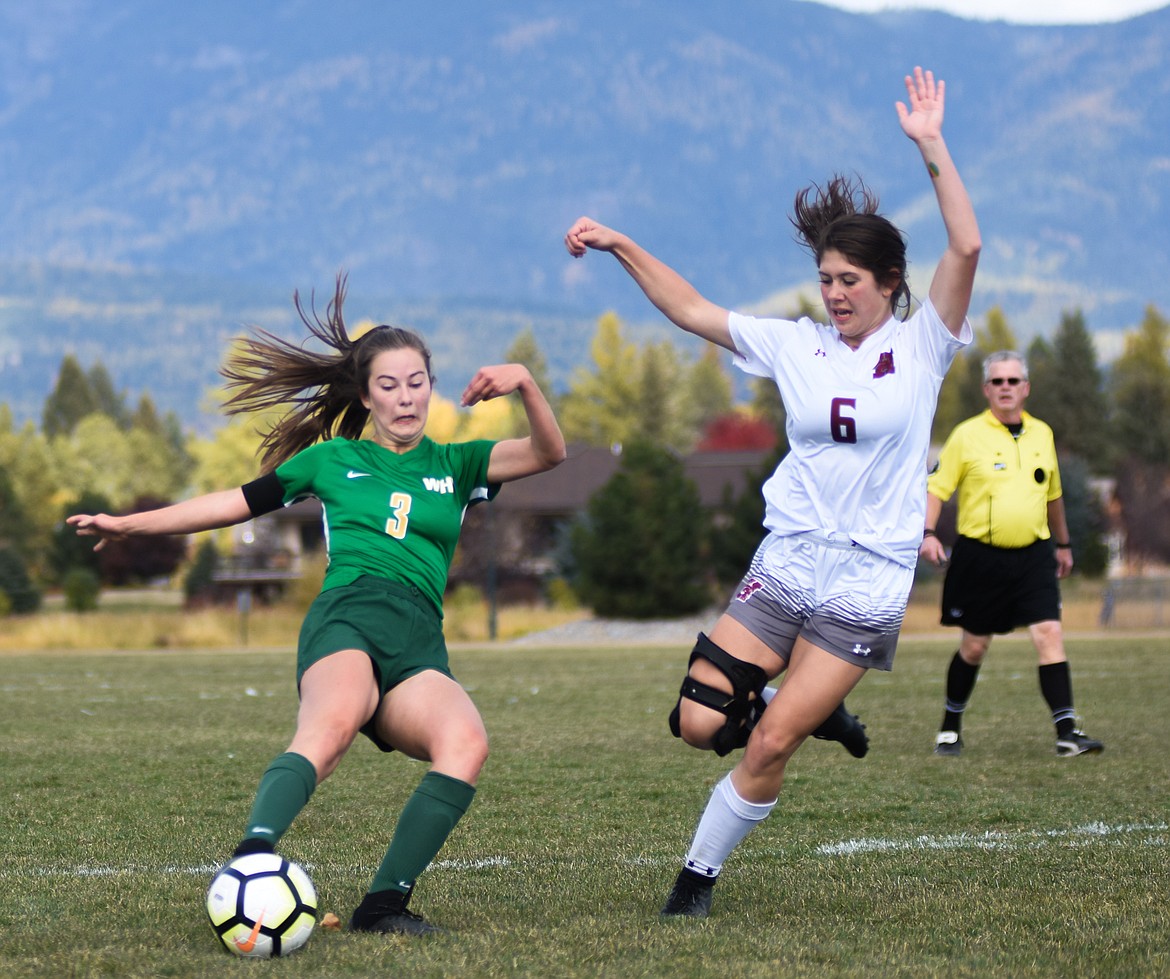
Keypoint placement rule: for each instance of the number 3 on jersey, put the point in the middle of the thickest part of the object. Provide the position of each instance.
(843, 426)
(400, 505)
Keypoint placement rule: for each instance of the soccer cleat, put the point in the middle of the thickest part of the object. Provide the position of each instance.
(948, 743)
(386, 914)
(253, 844)
(690, 897)
(846, 728)
(1078, 743)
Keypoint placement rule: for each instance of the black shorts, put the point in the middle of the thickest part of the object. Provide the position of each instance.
(996, 589)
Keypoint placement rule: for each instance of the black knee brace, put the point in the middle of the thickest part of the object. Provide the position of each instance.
(741, 708)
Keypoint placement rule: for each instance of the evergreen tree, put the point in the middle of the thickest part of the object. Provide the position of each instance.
(739, 525)
(1085, 517)
(69, 550)
(767, 404)
(1141, 392)
(961, 395)
(706, 393)
(600, 406)
(653, 415)
(17, 592)
(1141, 437)
(14, 527)
(524, 350)
(1068, 392)
(105, 398)
(639, 553)
(71, 399)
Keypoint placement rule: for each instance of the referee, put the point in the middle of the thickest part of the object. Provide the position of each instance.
(1005, 564)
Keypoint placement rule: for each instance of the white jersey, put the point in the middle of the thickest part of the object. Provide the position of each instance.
(858, 425)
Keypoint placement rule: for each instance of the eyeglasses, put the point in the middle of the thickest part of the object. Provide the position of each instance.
(1000, 381)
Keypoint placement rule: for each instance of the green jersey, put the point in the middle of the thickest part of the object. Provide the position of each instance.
(389, 515)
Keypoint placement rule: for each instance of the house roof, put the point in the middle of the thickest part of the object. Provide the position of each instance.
(567, 488)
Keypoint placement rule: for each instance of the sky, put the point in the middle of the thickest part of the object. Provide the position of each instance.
(1017, 11)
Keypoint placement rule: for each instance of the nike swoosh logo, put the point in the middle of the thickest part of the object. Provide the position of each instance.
(354, 475)
(249, 943)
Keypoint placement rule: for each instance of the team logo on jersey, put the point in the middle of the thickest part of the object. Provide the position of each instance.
(439, 485)
(748, 590)
(884, 365)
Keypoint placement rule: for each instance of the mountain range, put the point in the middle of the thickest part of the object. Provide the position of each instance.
(173, 172)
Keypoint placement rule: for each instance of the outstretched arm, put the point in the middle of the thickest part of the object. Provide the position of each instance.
(954, 279)
(545, 446)
(679, 301)
(207, 512)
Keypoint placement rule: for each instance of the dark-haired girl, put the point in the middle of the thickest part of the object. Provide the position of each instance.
(826, 592)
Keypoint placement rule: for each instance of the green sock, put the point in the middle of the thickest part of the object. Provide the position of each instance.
(284, 789)
(426, 821)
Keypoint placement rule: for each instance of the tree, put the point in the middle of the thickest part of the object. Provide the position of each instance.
(105, 399)
(17, 592)
(138, 560)
(71, 399)
(739, 524)
(69, 550)
(961, 395)
(600, 405)
(525, 350)
(1141, 437)
(639, 552)
(13, 522)
(1068, 392)
(706, 393)
(737, 431)
(1141, 392)
(1085, 517)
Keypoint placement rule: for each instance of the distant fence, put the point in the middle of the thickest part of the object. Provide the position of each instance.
(1135, 603)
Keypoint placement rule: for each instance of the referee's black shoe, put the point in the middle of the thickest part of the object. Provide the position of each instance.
(1078, 743)
(948, 743)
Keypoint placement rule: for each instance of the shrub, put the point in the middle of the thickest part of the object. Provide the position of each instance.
(82, 587)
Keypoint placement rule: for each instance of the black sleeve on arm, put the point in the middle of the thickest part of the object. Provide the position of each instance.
(264, 495)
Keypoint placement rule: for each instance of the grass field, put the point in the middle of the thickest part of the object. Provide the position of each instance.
(127, 777)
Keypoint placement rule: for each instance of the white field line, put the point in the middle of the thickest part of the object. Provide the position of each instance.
(1148, 834)
(1079, 836)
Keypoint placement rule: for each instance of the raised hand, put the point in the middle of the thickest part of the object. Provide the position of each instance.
(494, 382)
(587, 233)
(924, 118)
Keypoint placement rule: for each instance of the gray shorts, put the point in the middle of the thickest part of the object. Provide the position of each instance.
(839, 596)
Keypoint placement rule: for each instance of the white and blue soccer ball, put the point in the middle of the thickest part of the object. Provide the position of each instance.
(262, 905)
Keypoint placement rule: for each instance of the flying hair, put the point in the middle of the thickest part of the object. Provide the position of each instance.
(843, 216)
(321, 391)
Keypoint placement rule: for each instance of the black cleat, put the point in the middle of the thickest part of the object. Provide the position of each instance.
(385, 913)
(690, 897)
(253, 844)
(1078, 743)
(846, 728)
(948, 743)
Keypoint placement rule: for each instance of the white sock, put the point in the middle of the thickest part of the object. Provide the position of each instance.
(727, 819)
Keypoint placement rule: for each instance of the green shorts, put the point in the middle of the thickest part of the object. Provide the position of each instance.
(394, 624)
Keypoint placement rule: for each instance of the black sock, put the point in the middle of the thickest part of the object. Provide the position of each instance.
(961, 677)
(1056, 686)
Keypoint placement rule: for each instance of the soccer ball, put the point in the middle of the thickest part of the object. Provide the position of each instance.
(262, 905)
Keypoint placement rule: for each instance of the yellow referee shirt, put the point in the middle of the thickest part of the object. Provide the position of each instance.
(1005, 484)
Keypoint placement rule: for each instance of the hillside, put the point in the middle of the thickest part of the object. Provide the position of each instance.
(174, 172)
